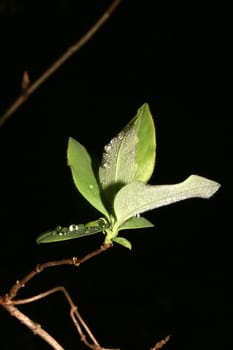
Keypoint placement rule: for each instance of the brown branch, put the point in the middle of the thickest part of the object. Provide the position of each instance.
(44, 295)
(59, 62)
(74, 313)
(40, 267)
(35, 327)
(161, 343)
(9, 303)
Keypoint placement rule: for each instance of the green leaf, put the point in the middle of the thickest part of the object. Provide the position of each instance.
(83, 175)
(135, 222)
(131, 154)
(123, 241)
(138, 197)
(146, 146)
(73, 231)
(118, 166)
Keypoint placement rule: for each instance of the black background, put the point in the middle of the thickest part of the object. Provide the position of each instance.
(177, 278)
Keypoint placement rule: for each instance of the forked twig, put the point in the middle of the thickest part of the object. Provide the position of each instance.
(8, 302)
(26, 93)
(74, 314)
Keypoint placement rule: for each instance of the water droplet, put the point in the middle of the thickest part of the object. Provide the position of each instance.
(105, 165)
(91, 186)
(73, 227)
(56, 231)
(60, 233)
(108, 147)
(120, 136)
(87, 230)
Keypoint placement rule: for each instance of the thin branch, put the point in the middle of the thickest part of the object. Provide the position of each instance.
(74, 313)
(35, 327)
(59, 62)
(44, 295)
(40, 267)
(9, 303)
(161, 343)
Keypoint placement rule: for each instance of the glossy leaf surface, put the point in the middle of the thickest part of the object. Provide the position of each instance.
(83, 175)
(146, 146)
(73, 231)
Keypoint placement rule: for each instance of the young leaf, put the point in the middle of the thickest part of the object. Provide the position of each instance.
(137, 197)
(83, 175)
(146, 146)
(73, 231)
(118, 166)
(131, 154)
(123, 241)
(135, 222)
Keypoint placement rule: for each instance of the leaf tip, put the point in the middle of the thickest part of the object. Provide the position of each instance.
(123, 241)
(207, 187)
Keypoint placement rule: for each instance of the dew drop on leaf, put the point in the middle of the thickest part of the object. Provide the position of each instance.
(105, 165)
(120, 136)
(73, 227)
(108, 147)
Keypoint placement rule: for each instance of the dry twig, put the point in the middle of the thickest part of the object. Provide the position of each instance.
(8, 302)
(26, 93)
(161, 343)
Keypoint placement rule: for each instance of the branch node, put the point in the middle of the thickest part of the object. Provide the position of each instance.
(38, 268)
(76, 261)
(37, 328)
(25, 82)
(106, 246)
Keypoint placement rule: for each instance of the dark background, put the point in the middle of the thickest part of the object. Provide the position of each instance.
(177, 278)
